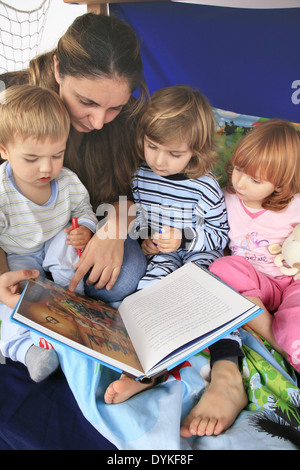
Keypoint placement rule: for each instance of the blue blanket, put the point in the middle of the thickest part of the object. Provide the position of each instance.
(151, 420)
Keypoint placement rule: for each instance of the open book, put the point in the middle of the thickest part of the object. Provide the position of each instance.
(153, 330)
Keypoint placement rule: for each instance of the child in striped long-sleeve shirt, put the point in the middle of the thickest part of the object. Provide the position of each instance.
(181, 217)
(181, 213)
(38, 198)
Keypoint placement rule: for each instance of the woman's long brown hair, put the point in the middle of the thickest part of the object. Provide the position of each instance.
(106, 47)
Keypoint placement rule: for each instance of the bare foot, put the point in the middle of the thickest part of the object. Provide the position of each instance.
(220, 405)
(125, 388)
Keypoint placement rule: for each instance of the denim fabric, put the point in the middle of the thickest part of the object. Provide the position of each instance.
(133, 268)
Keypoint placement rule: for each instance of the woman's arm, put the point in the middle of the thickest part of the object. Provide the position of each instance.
(104, 253)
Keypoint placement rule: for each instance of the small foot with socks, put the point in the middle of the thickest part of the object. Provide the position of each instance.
(41, 362)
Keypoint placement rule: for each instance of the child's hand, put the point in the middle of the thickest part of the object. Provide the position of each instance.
(78, 237)
(169, 240)
(149, 248)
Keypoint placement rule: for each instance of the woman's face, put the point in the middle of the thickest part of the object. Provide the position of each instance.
(92, 102)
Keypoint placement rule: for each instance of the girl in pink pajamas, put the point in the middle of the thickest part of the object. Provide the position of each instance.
(263, 204)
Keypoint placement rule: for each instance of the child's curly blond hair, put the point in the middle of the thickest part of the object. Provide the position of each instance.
(185, 115)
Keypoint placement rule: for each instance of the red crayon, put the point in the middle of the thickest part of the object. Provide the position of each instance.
(75, 225)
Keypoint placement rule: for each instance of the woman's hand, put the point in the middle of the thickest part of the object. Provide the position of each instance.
(9, 285)
(104, 257)
(104, 253)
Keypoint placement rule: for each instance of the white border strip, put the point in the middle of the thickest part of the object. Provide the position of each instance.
(255, 4)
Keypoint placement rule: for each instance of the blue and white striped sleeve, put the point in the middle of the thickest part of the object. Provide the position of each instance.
(211, 228)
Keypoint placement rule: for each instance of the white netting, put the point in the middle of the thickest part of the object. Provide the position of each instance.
(21, 28)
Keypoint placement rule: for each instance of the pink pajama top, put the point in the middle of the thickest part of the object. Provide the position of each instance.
(253, 230)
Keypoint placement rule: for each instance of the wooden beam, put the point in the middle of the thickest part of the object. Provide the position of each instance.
(97, 3)
(97, 8)
(93, 6)
(101, 6)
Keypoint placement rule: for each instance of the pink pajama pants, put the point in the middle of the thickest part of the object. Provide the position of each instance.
(281, 297)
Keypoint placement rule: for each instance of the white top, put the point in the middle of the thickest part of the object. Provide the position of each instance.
(26, 226)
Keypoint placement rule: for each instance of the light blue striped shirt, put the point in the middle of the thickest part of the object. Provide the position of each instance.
(195, 206)
(26, 226)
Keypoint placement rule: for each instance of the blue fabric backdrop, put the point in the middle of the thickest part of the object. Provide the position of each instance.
(243, 60)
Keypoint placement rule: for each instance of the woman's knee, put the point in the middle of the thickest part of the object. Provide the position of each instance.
(132, 270)
(134, 261)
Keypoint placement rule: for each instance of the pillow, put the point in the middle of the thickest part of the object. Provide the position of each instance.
(231, 127)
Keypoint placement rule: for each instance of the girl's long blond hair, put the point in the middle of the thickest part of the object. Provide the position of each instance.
(271, 152)
(182, 114)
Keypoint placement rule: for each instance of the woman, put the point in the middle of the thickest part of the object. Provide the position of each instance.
(95, 68)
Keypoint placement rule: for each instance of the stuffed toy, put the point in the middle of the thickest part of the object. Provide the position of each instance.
(288, 252)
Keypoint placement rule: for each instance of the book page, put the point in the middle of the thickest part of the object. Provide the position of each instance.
(86, 324)
(185, 305)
